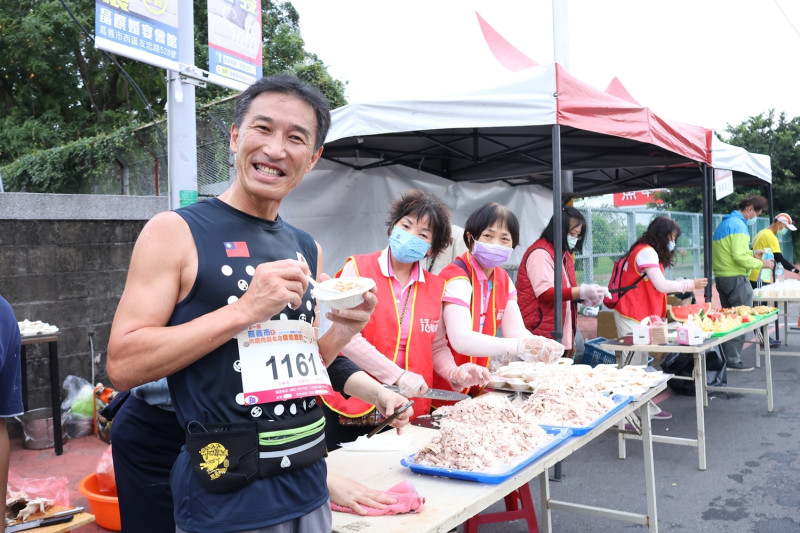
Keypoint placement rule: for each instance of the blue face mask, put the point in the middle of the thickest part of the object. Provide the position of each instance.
(407, 248)
(782, 231)
(671, 245)
(751, 221)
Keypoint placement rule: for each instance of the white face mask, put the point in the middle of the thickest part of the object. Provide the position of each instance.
(671, 245)
(572, 242)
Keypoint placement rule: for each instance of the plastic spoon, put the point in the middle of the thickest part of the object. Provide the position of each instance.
(321, 293)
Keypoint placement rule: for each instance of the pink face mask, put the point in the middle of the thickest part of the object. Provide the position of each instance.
(491, 255)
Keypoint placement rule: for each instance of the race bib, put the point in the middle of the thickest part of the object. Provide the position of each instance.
(279, 360)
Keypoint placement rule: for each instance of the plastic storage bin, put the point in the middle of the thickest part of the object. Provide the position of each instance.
(592, 355)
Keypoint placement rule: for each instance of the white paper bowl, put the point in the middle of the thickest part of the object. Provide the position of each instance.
(517, 384)
(497, 382)
(343, 293)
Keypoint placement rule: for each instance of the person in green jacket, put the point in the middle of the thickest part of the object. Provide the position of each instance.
(732, 261)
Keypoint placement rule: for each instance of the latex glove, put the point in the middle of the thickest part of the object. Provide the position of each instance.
(592, 294)
(468, 375)
(542, 349)
(411, 385)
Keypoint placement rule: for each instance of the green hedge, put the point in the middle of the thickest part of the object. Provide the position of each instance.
(83, 166)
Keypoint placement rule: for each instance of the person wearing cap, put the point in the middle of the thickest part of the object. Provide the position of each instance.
(768, 238)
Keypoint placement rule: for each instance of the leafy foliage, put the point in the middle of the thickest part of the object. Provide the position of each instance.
(58, 89)
(55, 86)
(763, 134)
(779, 138)
(82, 166)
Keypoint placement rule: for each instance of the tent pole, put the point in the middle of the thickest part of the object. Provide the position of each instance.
(557, 231)
(771, 203)
(708, 229)
(557, 254)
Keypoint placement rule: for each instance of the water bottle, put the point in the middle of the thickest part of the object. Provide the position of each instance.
(779, 272)
(766, 273)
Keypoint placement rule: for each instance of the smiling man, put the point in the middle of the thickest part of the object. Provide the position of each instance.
(216, 297)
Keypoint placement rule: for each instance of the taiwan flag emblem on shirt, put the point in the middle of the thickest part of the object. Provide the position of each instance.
(236, 249)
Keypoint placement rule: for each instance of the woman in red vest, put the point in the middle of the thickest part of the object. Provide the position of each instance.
(480, 298)
(535, 281)
(654, 250)
(402, 343)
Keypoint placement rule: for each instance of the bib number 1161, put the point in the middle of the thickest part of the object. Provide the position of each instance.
(289, 364)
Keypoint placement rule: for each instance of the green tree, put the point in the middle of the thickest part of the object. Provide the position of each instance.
(763, 134)
(57, 88)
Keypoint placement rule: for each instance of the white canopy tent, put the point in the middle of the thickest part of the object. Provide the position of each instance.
(502, 143)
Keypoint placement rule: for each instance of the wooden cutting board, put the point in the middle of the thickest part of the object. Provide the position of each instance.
(79, 519)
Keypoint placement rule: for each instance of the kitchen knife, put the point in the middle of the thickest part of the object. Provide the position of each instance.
(58, 518)
(390, 419)
(434, 394)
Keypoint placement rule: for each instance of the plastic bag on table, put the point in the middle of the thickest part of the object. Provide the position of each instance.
(54, 488)
(105, 473)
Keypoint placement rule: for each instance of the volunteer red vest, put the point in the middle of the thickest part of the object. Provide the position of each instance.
(539, 317)
(383, 331)
(644, 300)
(498, 298)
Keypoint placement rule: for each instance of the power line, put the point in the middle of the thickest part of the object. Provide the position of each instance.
(786, 17)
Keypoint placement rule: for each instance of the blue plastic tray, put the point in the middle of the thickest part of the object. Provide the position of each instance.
(620, 400)
(496, 474)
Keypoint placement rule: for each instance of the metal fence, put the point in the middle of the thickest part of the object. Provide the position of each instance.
(611, 232)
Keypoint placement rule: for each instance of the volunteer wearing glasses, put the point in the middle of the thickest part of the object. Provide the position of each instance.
(481, 299)
(403, 343)
(535, 281)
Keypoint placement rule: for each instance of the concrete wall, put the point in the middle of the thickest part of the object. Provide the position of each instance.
(64, 260)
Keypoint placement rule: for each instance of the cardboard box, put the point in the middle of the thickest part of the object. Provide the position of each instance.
(690, 335)
(641, 335)
(606, 327)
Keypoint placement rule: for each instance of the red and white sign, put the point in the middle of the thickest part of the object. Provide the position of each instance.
(636, 198)
(723, 182)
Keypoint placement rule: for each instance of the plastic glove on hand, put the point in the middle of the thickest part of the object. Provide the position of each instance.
(542, 349)
(592, 294)
(411, 385)
(469, 375)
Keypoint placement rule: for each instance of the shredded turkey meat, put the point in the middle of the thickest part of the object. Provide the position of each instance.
(560, 401)
(479, 433)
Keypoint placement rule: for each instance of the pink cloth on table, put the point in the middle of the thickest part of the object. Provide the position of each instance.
(408, 501)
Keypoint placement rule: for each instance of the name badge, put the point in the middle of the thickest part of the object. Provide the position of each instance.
(279, 360)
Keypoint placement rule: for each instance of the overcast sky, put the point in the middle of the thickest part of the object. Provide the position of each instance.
(705, 62)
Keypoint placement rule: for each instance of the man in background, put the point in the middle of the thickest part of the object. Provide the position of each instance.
(732, 261)
(768, 238)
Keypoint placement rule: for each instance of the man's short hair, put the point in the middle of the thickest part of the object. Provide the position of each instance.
(759, 203)
(291, 85)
